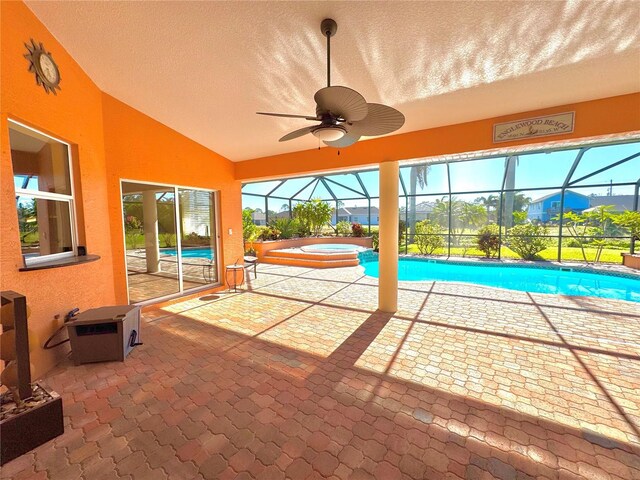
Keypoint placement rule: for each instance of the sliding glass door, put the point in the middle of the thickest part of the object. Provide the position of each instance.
(171, 239)
(198, 237)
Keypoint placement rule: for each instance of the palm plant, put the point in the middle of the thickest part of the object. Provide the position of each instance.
(510, 164)
(417, 176)
(491, 204)
(440, 212)
(472, 215)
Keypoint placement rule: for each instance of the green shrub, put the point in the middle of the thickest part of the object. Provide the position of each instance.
(343, 228)
(357, 230)
(527, 240)
(402, 231)
(288, 227)
(570, 242)
(519, 218)
(191, 239)
(629, 220)
(313, 215)
(375, 239)
(428, 237)
(268, 233)
(169, 239)
(131, 223)
(489, 240)
(249, 229)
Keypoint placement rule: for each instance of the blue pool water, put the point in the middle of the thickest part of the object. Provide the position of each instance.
(332, 248)
(522, 278)
(199, 252)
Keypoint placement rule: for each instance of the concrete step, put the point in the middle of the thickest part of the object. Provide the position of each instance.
(311, 263)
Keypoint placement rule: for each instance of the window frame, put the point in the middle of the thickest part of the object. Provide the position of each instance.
(41, 195)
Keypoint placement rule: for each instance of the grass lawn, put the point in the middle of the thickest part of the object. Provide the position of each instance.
(136, 240)
(569, 254)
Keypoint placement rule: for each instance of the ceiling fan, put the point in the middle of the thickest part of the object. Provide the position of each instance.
(343, 113)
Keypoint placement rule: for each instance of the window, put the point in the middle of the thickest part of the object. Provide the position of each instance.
(42, 179)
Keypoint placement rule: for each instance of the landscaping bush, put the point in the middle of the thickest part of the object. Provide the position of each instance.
(489, 240)
(313, 215)
(402, 231)
(169, 239)
(520, 218)
(343, 228)
(191, 239)
(357, 230)
(288, 227)
(268, 233)
(527, 240)
(249, 229)
(570, 242)
(375, 240)
(428, 237)
(630, 220)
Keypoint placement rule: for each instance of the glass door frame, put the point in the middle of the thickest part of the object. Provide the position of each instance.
(218, 260)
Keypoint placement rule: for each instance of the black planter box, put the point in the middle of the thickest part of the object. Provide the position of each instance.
(31, 428)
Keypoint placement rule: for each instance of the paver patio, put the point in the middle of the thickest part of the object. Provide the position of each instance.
(298, 376)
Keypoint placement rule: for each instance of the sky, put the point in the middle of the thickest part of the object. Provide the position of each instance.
(546, 171)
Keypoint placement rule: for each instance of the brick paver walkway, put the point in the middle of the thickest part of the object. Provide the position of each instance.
(300, 377)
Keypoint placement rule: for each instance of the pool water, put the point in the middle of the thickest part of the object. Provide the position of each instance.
(332, 248)
(198, 252)
(527, 279)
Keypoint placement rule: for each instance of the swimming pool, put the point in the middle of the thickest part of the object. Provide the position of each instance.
(190, 252)
(516, 277)
(332, 248)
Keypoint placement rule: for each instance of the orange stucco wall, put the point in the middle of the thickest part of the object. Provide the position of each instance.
(593, 118)
(74, 115)
(109, 141)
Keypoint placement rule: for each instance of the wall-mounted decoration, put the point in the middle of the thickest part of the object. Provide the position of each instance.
(42, 64)
(557, 124)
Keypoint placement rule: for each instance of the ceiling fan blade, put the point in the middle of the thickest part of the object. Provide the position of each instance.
(297, 133)
(381, 120)
(341, 102)
(349, 139)
(306, 117)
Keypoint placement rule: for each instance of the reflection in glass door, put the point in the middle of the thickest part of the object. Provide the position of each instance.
(198, 237)
(169, 248)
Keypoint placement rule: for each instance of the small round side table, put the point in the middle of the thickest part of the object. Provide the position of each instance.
(234, 275)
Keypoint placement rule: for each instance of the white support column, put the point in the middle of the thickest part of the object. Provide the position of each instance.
(388, 266)
(150, 227)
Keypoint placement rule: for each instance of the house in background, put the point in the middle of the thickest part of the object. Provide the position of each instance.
(621, 203)
(544, 209)
(357, 215)
(258, 217)
(423, 211)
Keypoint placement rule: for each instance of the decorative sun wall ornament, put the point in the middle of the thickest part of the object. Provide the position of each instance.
(42, 64)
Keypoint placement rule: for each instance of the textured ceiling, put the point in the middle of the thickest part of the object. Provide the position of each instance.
(205, 68)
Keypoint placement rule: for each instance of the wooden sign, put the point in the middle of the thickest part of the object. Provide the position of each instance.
(557, 124)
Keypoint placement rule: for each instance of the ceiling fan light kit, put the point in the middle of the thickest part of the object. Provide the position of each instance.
(329, 133)
(343, 113)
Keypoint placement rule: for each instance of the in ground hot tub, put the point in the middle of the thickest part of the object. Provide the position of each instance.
(332, 248)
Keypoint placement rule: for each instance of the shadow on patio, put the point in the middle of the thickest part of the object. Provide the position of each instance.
(300, 376)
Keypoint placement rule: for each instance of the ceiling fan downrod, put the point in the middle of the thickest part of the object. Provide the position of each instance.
(329, 27)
